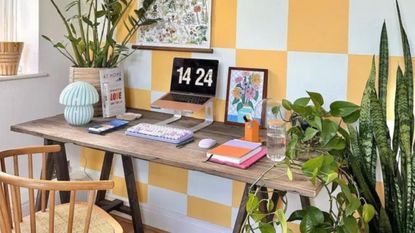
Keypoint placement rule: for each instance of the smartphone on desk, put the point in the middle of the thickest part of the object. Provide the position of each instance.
(107, 126)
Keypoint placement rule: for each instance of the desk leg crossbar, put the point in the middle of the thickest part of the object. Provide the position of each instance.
(262, 194)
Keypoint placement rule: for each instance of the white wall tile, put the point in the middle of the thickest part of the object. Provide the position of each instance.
(226, 59)
(365, 25)
(318, 72)
(167, 199)
(262, 24)
(210, 187)
(140, 168)
(137, 70)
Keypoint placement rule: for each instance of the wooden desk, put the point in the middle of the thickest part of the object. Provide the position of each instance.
(56, 131)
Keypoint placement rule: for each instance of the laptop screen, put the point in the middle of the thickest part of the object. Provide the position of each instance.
(196, 76)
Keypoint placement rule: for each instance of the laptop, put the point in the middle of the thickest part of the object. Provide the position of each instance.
(193, 84)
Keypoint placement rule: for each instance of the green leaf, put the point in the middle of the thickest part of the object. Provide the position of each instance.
(316, 98)
(287, 104)
(368, 212)
(336, 143)
(281, 218)
(331, 177)
(252, 202)
(383, 67)
(302, 101)
(352, 206)
(343, 108)
(276, 110)
(251, 104)
(297, 215)
(270, 205)
(47, 38)
(99, 14)
(289, 174)
(266, 228)
(235, 100)
(59, 45)
(309, 168)
(351, 224)
(309, 134)
(329, 130)
(239, 106)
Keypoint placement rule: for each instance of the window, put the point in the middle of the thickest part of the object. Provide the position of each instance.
(19, 21)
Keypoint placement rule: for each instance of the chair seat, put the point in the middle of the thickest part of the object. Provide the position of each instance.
(101, 221)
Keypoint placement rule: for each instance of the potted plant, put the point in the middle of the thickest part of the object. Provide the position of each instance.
(91, 36)
(10, 49)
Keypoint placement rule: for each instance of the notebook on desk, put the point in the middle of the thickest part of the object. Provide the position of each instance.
(193, 84)
(234, 151)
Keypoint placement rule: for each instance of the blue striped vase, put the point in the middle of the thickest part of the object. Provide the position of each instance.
(79, 115)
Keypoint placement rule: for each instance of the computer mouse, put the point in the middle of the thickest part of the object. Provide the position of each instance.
(207, 143)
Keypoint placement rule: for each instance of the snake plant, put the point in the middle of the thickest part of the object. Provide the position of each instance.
(396, 154)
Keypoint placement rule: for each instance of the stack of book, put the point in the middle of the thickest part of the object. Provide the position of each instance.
(237, 153)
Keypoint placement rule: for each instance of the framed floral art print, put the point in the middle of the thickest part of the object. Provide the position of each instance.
(246, 89)
(184, 26)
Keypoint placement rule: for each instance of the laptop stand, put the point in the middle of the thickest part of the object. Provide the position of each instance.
(178, 114)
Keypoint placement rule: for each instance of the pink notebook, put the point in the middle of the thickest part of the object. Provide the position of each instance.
(247, 163)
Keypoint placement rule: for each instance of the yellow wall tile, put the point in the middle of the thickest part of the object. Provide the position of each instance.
(121, 30)
(92, 159)
(137, 98)
(237, 192)
(318, 26)
(275, 62)
(223, 24)
(167, 177)
(162, 62)
(218, 111)
(120, 189)
(209, 211)
(359, 70)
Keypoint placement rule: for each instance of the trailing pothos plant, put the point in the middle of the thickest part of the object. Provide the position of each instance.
(321, 131)
(91, 30)
(356, 152)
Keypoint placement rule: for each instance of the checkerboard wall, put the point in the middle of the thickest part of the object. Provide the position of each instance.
(314, 45)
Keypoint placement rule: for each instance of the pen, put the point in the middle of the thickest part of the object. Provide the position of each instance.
(184, 143)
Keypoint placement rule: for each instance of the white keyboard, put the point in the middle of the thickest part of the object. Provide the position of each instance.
(159, 133)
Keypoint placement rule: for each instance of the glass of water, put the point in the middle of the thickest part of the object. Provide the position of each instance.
(276, 140)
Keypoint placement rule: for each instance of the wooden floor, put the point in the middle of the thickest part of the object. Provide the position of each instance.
(128, 227)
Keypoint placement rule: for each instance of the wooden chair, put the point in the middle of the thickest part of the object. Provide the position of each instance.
(71, 217)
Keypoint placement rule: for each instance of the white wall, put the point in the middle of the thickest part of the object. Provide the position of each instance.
(29, 99)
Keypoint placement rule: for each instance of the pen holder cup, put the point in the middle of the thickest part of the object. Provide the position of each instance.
(252, 131)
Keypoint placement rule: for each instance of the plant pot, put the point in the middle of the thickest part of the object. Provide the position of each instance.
(89, 75)
(10, 53)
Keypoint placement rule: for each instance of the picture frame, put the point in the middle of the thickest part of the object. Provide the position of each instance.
(247, 87)
(183, 26)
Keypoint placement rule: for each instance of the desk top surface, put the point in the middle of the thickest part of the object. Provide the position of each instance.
(190, 157)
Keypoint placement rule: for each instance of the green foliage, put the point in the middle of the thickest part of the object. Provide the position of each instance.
(396, 155)
(328, 167)
(91, 30)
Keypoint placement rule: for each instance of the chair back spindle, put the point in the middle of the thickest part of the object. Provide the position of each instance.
(10, 185)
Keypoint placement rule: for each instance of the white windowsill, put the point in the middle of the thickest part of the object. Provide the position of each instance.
(23, 76)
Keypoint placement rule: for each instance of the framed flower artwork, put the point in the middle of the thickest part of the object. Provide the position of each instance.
(246, 89)
(183, 26)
